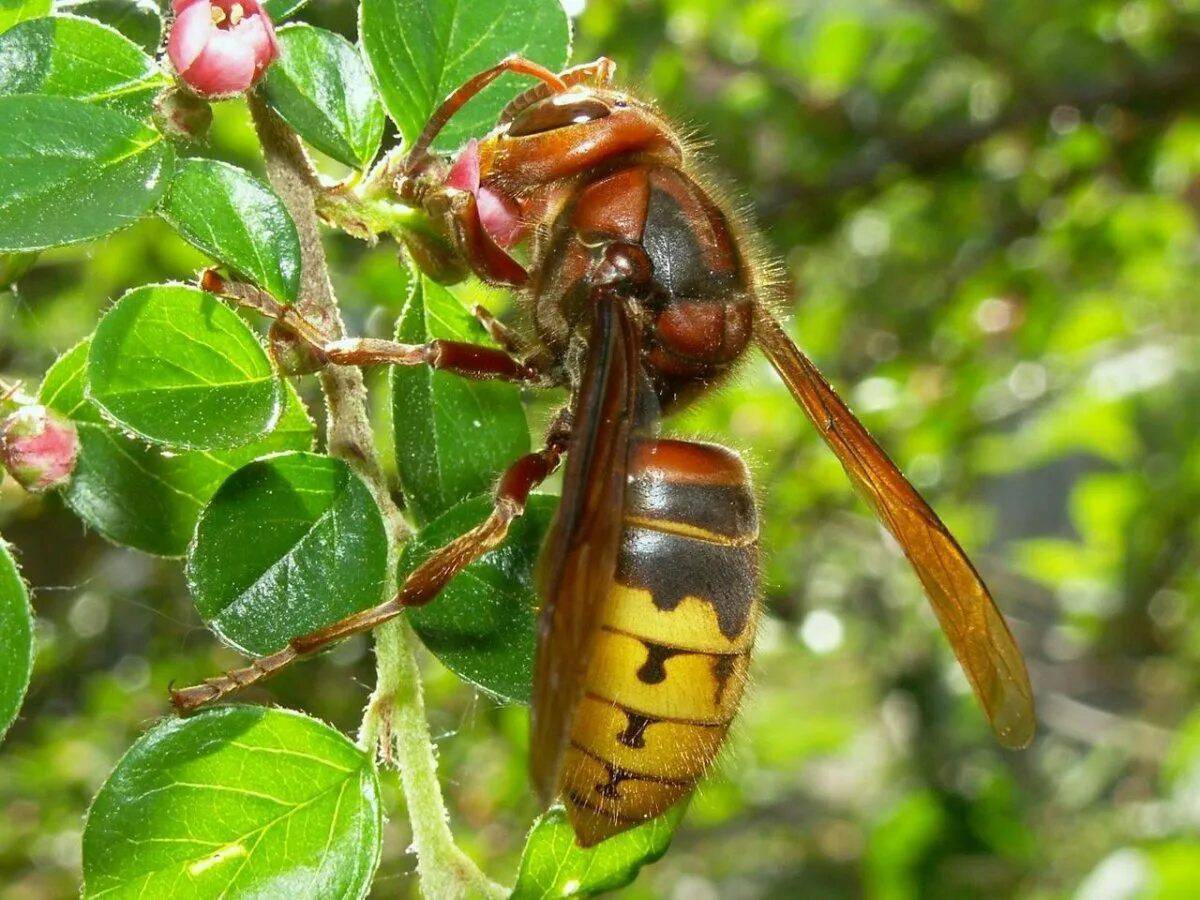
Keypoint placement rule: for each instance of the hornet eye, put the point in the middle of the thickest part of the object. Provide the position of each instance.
(557, 112)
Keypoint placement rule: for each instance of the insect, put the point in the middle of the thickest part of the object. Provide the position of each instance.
(643, 293)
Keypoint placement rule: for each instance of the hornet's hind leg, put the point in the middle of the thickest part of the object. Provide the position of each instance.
(419, 588)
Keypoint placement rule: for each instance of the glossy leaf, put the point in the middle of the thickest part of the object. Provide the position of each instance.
(288, 545)
(174, 365)
(235, 802)
(320, 86)
(229, 214)
(136, 494)
(553, 865)
(16, 639)
(138, 20)
(70, 57)
(14, 11)
(421, 50)
(71, 171)
(453, 436)
(482, 625)
(279, 10)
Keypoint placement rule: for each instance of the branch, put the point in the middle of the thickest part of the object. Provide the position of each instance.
(394, 722)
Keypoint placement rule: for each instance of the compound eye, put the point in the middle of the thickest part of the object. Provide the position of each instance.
(557, 111)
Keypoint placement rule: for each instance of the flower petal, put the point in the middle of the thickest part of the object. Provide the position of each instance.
(464, 174)
(500, 216)
(256, 32)
(225, 66)
(191, 32)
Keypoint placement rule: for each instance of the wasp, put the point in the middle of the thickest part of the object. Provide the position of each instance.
(644, 293)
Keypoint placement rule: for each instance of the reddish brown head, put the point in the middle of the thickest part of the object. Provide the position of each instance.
(570, 132)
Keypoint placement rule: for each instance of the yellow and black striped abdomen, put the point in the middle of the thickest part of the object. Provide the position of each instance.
(670, 660)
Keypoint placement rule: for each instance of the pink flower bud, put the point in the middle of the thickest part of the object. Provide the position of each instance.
(499, 215)
(38, 447)
(221, 47)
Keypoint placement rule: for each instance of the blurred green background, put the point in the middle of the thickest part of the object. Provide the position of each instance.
(987, 213)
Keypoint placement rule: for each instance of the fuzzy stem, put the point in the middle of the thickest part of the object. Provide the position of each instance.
(366, 216)
(394, 722)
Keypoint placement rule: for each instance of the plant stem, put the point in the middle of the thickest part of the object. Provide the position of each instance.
(394, 722)
(366, 217)
(444, 870)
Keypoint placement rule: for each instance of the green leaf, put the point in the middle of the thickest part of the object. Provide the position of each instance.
(553, 865)
(175, 366)
(235, 218)
(454, 436)
(71, 171)
(132, 492)
(320, 86)
(16, 639)
(482, 624)
(235, 802)
(279, 10)
(14, 11)
(78, 58)
(421, 50)
(289, 544)
(13, 267)
(138, 20)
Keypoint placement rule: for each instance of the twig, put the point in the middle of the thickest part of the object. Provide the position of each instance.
(394, 722)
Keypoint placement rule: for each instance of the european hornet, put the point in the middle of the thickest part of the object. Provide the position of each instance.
(644, 293)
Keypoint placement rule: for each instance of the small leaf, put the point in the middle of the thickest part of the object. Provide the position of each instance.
(235, 802)
(279, 10)
(553, 865)
(482, 624)
(236, 219)
(14, 11)
(71, 171)
(16, 639)
(70, 57)
(138, 20)
(132, 492)
(176, 366)
(420, 52)
(454, 436)
(289, 544)
(321, 88)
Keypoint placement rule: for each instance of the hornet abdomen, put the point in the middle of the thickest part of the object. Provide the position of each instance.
(671, 656)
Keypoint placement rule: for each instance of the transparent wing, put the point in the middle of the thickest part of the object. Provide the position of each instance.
(968, 615)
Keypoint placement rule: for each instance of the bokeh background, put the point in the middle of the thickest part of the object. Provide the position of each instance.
(987, 215)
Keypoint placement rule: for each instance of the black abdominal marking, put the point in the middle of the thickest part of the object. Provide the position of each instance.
(672, 567)
(723, 667)
(725, 509)
(610, 789)
(634, 735)
(653, 670)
